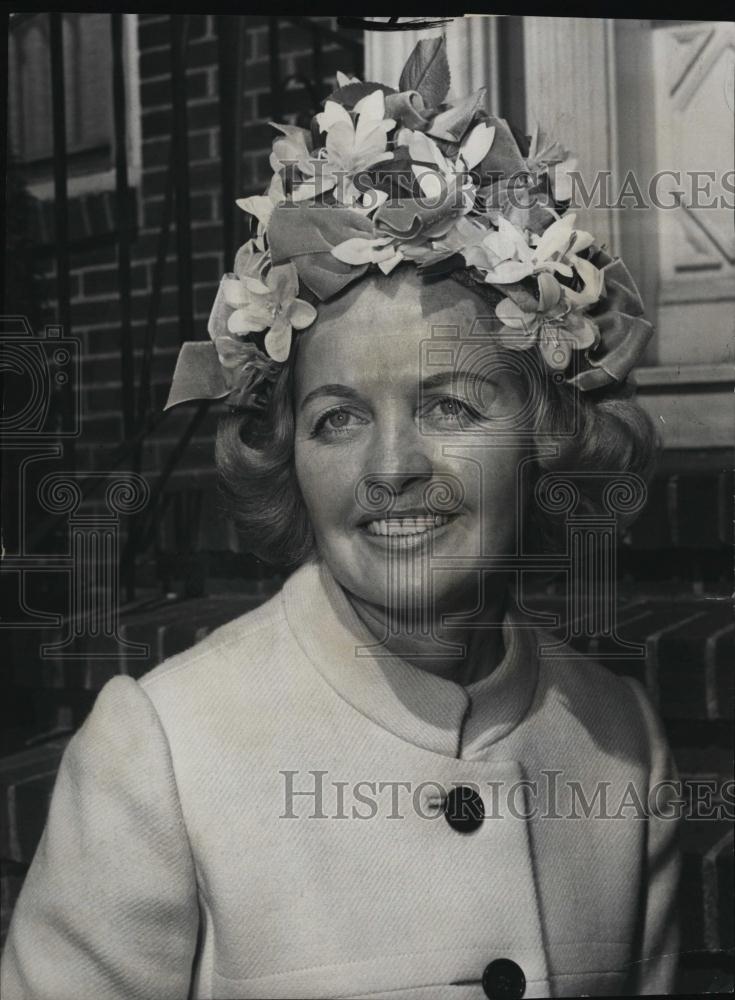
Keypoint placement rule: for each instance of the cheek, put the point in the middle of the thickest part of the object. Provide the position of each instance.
(324, 480)
(499, 489)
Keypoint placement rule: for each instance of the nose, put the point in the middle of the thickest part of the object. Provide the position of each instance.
(399, 460)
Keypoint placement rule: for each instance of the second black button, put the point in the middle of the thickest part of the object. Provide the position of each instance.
(464, 809)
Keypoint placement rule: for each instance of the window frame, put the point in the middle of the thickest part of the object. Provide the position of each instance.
(105, 180)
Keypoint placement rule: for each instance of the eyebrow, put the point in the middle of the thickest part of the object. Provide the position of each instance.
(330, 389)
(453, 375)
(430, 382)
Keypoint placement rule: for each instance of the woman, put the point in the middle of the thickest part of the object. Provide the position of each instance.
(379, 783)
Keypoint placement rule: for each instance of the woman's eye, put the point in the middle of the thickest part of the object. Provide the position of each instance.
(335, 422)
(451, 407)
(450, 411)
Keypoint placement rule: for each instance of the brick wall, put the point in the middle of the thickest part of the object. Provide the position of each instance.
(95, 312)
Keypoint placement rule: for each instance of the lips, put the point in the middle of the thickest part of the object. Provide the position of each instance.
(405, 526)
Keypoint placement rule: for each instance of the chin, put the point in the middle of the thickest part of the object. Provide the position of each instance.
(408, 588)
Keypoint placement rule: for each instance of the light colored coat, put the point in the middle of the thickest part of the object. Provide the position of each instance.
(174, 864)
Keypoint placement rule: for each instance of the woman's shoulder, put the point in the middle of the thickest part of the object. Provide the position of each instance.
(614, 707)
(232, 680)
(246, 653)
(234, 639)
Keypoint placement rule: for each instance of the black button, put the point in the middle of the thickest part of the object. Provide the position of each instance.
(503, 980)
(464, 809)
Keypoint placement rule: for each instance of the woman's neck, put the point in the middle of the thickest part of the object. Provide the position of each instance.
(431, 650)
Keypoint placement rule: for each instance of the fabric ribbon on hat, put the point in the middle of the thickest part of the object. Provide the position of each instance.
(198, 374)
(624, 332)
(307, 234)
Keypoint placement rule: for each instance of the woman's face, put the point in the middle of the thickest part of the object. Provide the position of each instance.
(394, 427)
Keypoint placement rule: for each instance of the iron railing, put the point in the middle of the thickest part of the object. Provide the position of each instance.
(139, 418)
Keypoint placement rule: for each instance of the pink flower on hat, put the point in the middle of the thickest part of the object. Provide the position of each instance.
(268, 305)
(352, 145)
(556, 325)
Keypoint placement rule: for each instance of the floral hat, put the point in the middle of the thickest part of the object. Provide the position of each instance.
(388, 178)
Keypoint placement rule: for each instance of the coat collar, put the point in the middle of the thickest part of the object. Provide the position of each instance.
(431, 712)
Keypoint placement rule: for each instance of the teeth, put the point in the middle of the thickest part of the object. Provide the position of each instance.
(406, 525)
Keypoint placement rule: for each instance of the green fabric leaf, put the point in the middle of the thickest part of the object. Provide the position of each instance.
(198, 375)
(427, 71)
(504, 158)
(306, 234)
(351, 93)
(452, 124)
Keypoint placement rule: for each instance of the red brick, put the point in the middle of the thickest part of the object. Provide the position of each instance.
(155, 63)
(157, 151)
(101, 369)
(102, 428)
(330, 62)
(103, 254)
(259, 44)
(47, 286)
(292, 101)
(203, 114)
(106, 281)
(158, 33)
(89, 313)
(201, 53)
(102, 399)
(155, 92)
(154, 33)
(156, 181)
(158, 92)
(106, 340)
(168, 306)
(207, 238)
(204, 297)
(156, 123)
(153, 213)
(205, 269)
(167, 335)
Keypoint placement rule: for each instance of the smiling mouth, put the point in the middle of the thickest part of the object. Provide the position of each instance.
(405, 526)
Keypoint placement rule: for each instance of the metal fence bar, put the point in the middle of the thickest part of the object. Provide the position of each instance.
(179, 24)
(154, 301)
(159, 267)
(61, 197)
(123, 209)
(512, 77)
(230, 60)
(274, 57)
(140, 420)
(316, 60)
(139, 539)
(4, 150)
